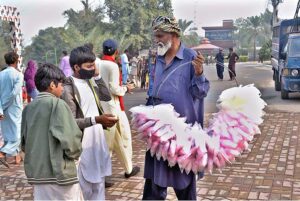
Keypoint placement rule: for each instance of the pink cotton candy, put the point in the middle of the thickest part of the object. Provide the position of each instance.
(154, 148)
(256, 129)
(172, 161)
(228, 144)
(204, 160)
(248, 125)
(172, 149)
(146, 125)
(216, 162)
(210, 166)
(188, 167)
(169, 138)
(168, 135)
(222, 160)
(164, 151)
(247, 136)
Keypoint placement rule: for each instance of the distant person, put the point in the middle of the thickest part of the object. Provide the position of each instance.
(125, 66)
(11, 105)
(29, 74)
(65, 64)
(133, 71)
(220, 64)
(144, 71)
(233, 58)
(51, 140)
(151, 70)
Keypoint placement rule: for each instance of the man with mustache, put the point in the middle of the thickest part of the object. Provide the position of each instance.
(179, 80)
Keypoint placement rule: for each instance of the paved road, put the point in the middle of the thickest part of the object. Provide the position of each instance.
(270, 171)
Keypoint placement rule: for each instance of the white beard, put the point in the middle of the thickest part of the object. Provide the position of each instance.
(163, 48)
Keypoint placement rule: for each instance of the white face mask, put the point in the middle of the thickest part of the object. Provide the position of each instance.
(163, 48)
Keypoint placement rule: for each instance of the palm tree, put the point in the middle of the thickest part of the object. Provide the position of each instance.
(254, 28)
(184, 24)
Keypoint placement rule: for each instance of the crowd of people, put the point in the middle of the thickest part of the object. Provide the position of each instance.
(75, 117)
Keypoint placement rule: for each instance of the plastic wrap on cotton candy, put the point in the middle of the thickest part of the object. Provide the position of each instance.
(170, 138)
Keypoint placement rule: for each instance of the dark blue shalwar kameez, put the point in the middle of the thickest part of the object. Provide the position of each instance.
(176, 84)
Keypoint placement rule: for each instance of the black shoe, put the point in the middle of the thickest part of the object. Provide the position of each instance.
(134, 171)
(108, 184)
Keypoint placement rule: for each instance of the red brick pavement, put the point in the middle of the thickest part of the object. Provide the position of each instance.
(270, 171)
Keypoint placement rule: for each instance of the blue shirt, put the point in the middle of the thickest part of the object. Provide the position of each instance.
(177, 84)
(125, 64)
(220, 57)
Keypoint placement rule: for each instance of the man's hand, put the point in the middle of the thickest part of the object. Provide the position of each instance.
(130, 87)
(107, 120)
(198, 64)
(1, 117)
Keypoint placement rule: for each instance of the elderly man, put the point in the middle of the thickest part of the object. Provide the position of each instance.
(179, 80)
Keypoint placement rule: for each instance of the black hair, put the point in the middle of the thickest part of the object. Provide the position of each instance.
(109, 51)
(126, 51)
(81, 55)
(11, 58)
(46, 74)
(65, 52)
(230, 49)
(90, 46)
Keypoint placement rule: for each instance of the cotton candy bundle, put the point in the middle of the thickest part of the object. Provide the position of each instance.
(241, 111)
(169, 138)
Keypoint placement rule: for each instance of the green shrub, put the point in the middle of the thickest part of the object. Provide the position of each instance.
(243, 58)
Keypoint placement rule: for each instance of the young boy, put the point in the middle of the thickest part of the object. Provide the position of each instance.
(51, 140)
(83, 94)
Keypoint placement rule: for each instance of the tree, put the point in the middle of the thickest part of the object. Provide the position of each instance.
(133, 19)
(254, 29)
(47, 45)
(4, 41)
(86, 19)
(184, 24)
(191, 39)
(129, 24)
(266, 51)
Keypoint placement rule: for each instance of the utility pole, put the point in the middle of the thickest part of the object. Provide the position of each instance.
(275, 4)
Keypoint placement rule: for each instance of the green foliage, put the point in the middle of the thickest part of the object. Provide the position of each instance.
(191, 40)
(133, 19)
(4, 41)
(47, 46)
(129, 24)
(265, 51)
(253, 31)
(86, 19)
(243, 58)
(184, 24)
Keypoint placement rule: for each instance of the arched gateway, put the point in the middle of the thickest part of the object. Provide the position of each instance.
(11, 15)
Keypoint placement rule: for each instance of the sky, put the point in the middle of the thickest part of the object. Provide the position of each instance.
(40, 14)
